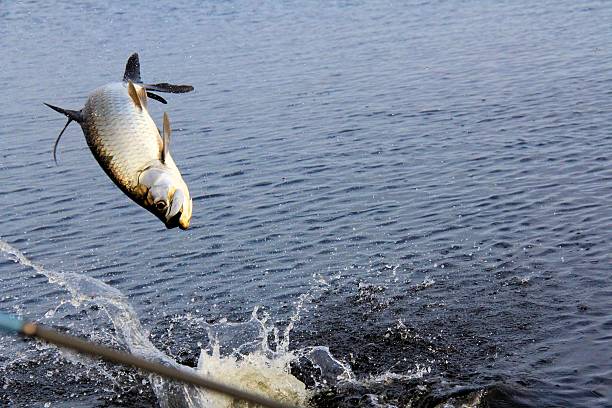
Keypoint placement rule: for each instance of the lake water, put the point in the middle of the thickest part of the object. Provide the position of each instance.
(414, 195)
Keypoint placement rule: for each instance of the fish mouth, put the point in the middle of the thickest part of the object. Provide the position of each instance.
(183, 224)
(175, 221)
(179, 212)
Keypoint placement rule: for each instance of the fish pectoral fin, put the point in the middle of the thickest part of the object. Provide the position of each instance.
(166, 138)
(170, 88)
(139, 96)
(132, 69)
(157, 97)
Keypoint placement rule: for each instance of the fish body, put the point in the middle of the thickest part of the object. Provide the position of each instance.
(127, 144)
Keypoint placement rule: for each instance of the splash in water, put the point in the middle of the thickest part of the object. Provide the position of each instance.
(252, 355)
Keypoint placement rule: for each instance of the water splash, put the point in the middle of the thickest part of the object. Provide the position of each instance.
(252, 355)
(84, 289)
(252, 363)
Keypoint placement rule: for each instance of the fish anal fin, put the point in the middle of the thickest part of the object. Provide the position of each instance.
(139, 96)
(166, 138)
(142, 96)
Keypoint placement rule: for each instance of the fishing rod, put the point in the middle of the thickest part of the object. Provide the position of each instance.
(13, 324)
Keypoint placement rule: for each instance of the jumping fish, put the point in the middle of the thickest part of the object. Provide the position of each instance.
(130, 148)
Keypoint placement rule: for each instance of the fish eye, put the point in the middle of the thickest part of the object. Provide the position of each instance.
(161, 205)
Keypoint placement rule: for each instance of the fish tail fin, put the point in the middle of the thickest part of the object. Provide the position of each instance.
(72, 116)
(132, 69)
(132, 73)
(170, 88)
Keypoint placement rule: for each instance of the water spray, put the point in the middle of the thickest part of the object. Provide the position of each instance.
(15, 325)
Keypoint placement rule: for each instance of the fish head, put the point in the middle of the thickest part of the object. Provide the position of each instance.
(167, 196)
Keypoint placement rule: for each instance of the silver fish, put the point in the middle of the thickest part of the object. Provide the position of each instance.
(129, 147)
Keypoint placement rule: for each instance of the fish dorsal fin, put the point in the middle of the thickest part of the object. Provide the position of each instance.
(166, 138)
(132, 69)
(139, 96)
(77, 116)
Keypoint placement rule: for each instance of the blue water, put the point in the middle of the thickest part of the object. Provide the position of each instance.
(434, 176)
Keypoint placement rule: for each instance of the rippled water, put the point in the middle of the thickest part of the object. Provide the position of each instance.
(427, 183)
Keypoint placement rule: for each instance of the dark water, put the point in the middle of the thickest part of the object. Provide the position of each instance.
(431, 179)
